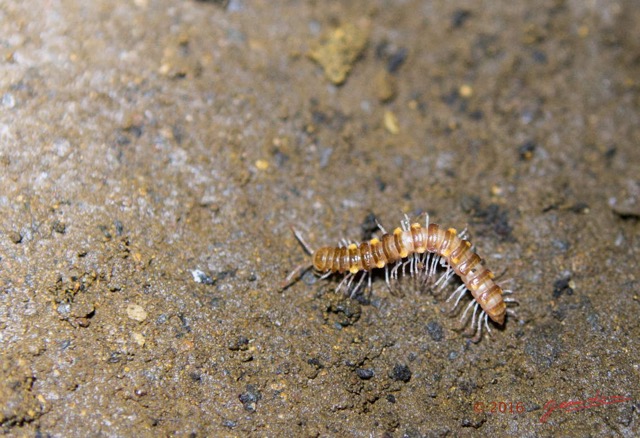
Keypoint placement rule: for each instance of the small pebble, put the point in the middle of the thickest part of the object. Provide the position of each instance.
(201, 277)
(15, 237)
(385, 86)
(138, 338)
(466, 91)
(136, 312)
(8, 101)
(391, 122)
(401, 373)
(262, 164)
(435, 331)
(365, 373)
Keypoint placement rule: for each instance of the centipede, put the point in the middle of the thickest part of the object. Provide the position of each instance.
(418, 250)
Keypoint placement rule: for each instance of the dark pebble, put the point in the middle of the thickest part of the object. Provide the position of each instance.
(460, 16)
(59, 227)
(401, 373)
(526, 150)
(15, 237)
(250, 397)
(435, 331)
(365, 373)
(229, 423)
(562, 286)
(240, 344)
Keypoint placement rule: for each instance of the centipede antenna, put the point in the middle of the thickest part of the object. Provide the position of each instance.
(294, 275)
(304, 244)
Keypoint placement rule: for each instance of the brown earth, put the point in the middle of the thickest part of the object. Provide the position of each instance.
(147, 144)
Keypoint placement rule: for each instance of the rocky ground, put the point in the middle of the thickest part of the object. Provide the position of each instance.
(153, 155)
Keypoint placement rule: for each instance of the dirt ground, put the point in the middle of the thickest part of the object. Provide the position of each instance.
(154, 153)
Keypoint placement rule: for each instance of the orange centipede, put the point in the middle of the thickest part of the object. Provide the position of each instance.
(422, 249)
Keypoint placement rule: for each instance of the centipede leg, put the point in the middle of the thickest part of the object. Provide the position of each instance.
(345, 280)
(394, 276)
(381, 227)
(394, 270)
(354, 291)
(425, 260)
(404, 265)
(478, 334)
(513, 313)
(444, 278)
(486, 322)
(506, 281)
(473, 316)
(432, 268)
(386, 276)
(411, 262)
(350, 281)
(405, 223)
(463, 317)
(511, 301)
(460, 291)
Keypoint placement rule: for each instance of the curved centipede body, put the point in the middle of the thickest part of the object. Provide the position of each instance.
(420, 247)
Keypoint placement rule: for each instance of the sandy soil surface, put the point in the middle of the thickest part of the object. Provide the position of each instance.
(154, 153)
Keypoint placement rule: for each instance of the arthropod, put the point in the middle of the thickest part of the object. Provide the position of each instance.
(420, 249)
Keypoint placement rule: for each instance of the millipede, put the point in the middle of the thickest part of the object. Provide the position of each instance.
(421, 249)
